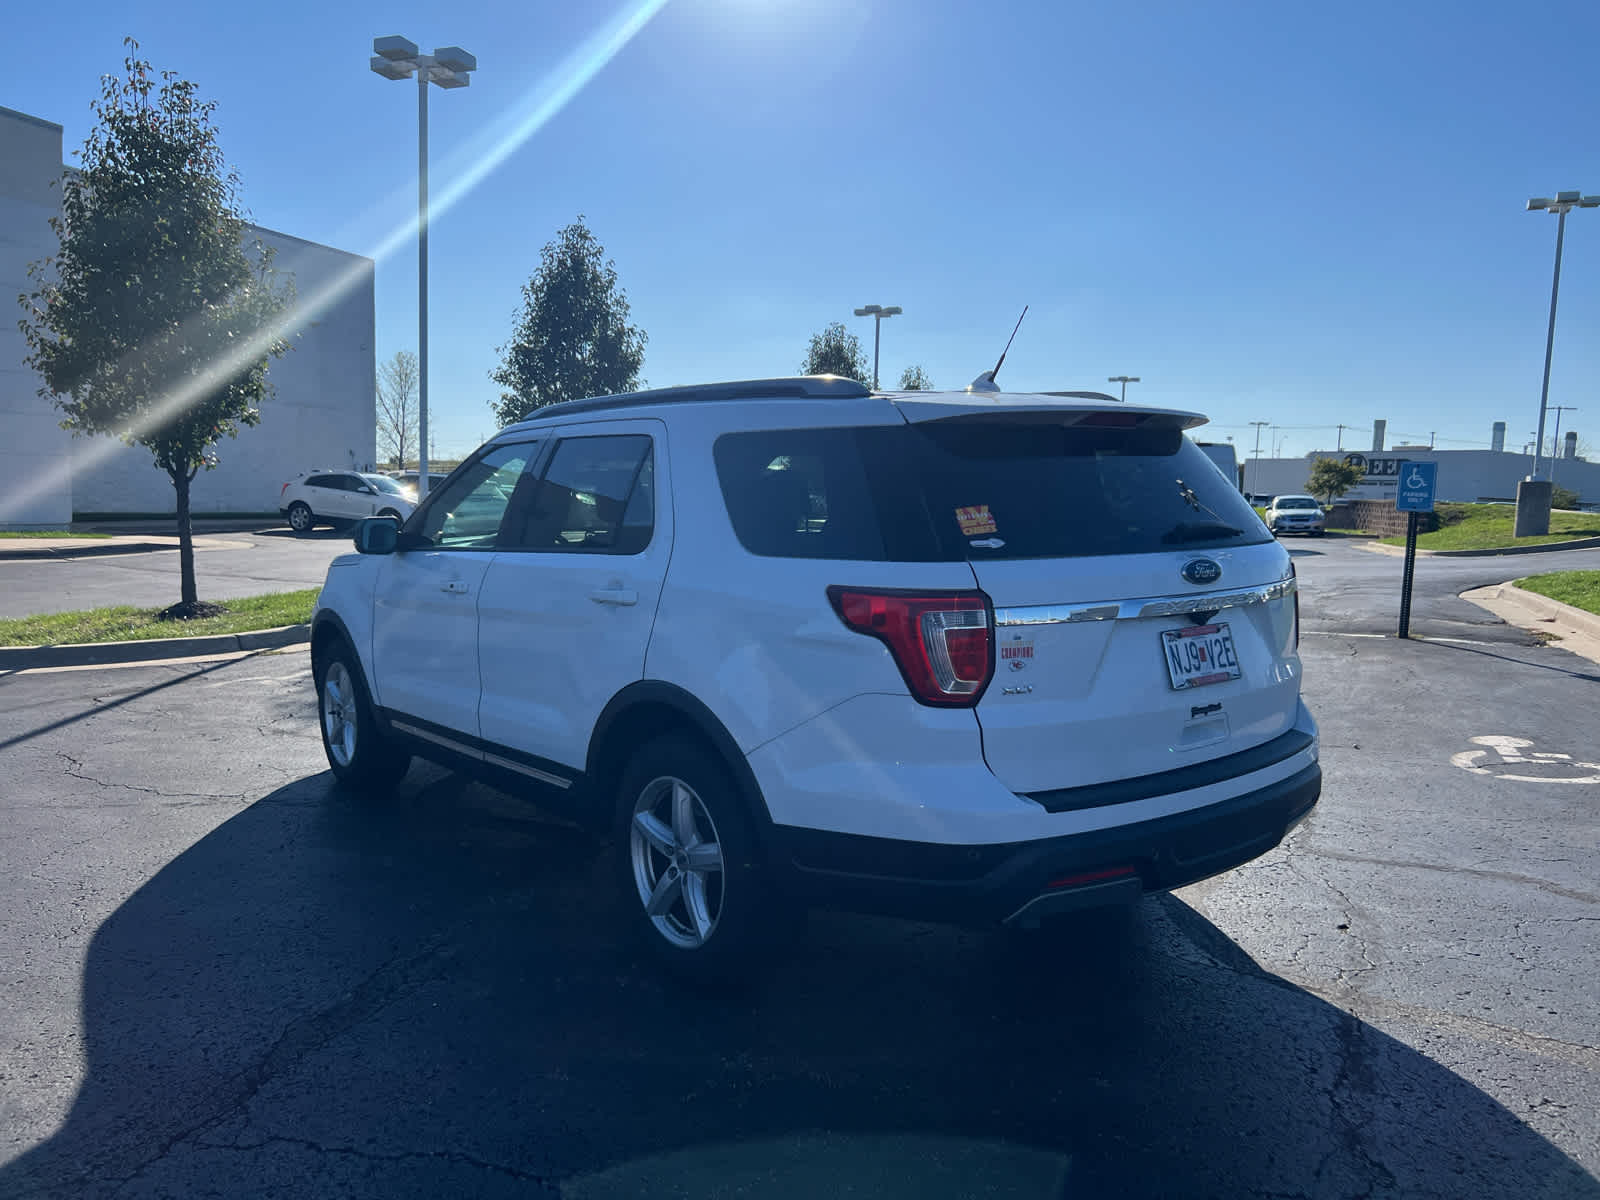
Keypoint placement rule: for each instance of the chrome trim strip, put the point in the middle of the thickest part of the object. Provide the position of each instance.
(436, 739)
(1056, 614)
(524, 769)
(1127, 610)
(483, 755)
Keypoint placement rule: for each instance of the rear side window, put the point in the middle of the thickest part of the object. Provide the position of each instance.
(799, 493)
(597, 497)
(951, 491)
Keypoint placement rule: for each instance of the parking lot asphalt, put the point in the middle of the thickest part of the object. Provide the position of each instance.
(227, 565)
(220, 977)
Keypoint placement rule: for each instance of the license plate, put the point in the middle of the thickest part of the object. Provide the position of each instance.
(1199, 655)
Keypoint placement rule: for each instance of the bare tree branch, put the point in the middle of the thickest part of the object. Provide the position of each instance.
(397, 408)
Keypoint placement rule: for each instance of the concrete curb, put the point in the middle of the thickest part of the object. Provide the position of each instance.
(1577, 544)
(89, 654)
(1545, 609)
(63, 548)
(85, 549)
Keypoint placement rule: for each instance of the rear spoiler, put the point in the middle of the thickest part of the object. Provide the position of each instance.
(1048, 408)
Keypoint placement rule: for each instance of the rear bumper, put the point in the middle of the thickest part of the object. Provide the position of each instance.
(1012, 881)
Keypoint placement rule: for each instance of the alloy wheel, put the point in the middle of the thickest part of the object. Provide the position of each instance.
(677, 862)
(339, 713)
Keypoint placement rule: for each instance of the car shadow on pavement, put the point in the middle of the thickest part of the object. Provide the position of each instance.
(430, 996)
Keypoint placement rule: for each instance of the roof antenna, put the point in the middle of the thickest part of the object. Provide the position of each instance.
(985, 382)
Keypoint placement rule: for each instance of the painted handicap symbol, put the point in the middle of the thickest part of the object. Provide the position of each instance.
(1415, 479)
(1514, 758)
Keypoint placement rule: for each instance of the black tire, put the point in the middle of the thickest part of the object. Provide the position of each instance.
(301, 518)
(746, 918)
(361, 757)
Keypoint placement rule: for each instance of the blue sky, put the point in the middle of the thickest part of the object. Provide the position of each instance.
(1305, 215)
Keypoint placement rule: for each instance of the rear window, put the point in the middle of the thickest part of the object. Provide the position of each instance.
(950, 491)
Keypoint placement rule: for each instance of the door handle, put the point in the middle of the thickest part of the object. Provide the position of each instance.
(614, 595)
(455, 587)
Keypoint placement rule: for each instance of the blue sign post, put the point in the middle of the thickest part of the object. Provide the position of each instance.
(1413, 495)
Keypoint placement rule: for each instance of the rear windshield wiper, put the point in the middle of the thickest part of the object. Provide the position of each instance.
(1198, 531)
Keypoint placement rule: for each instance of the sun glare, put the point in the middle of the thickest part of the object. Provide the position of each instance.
(537, 106)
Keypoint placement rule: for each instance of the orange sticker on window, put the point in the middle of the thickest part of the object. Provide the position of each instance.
(975, 519)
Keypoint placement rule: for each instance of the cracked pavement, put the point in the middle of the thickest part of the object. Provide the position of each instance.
(218, 977)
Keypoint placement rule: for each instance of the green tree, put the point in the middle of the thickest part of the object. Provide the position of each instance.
(1332, 478)
(572, 337)
(397, 407)
(1563, 497)
(837, 351)
(915, 379)
(154, 322)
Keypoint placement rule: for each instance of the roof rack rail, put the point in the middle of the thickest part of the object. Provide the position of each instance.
(826, 387)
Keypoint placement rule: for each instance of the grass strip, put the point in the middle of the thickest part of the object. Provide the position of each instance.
(1489, 526)
(1581, 589)
(125, 623)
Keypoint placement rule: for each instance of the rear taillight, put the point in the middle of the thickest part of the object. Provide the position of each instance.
(942, 642)
(282, 490)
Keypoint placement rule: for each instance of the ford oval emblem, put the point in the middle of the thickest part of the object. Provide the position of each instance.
(1202, 570)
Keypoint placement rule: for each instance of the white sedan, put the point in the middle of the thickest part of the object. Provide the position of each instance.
(1296, 514)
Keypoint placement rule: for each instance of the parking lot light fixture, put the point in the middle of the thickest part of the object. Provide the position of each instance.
(1124, 380)
(877, 312)
(447, 67)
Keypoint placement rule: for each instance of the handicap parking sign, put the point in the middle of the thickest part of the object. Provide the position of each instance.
(1416, 485)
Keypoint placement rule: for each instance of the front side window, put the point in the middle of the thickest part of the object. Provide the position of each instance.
(596, 496)
(466, 513)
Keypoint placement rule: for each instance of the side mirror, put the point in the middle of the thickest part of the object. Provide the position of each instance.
(377, 535)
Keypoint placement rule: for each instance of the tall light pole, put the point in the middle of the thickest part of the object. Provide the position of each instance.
(1259, 426)
(1563, 203)
(1124, 380)
(1555, 439)
(877, 312)
(448, 67)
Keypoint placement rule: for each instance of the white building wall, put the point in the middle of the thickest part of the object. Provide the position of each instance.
(35, 482)
(321, 411)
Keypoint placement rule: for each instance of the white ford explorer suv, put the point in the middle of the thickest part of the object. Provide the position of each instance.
(968, 656)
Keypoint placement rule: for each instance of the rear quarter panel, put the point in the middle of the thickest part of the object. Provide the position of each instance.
(755, 638)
